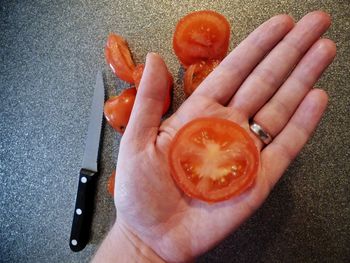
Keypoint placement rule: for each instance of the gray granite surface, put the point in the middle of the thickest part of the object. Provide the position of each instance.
(49, 54)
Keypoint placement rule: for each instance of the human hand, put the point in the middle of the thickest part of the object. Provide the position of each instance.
(269, 77)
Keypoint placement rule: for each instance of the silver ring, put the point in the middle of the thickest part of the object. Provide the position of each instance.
(258, 131)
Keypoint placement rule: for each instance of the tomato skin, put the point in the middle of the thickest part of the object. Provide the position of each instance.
(213, 159)
(119, 58)
(110, 183)
(137, 75)
(200, 36)
(167, 101)
(196, 73)
(117, 109)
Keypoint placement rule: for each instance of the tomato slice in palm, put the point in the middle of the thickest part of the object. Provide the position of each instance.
(200, 36)
(213, 159)
(196, 73)
(119, 58)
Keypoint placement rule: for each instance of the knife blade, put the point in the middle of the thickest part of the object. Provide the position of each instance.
(82, 218)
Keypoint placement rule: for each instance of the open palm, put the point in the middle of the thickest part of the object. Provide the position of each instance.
(268, 77)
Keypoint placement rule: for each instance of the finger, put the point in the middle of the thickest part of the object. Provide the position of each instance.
(276, 113)
(274, 69)
(276, 157)
(147, 110)
(223, 82)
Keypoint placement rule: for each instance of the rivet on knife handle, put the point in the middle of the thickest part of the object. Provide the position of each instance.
(83, 211)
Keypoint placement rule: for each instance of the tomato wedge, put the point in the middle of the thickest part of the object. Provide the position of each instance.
(119, 58)
(167, 101)
(200, 36)
(196, 73)
(137, 74)
(117, 109)
(213, 159)
(110, 184)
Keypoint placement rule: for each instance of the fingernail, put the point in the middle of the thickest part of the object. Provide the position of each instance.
(152, 54)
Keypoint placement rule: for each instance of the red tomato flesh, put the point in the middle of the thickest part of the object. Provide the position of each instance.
(200, 36)
(119, 58)
(213, 159)
(137, 74)
(110, 184)
(117, 109)
(196, 73)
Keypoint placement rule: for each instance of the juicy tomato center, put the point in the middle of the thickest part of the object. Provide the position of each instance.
(213, 161)
(203, 35)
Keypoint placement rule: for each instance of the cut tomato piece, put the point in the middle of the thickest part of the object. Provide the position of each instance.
(200, 36)
(137, 74)
(117, 109)
(119, 58)
(167, 101)
(196, 73)
(110, 184)
(213, 159)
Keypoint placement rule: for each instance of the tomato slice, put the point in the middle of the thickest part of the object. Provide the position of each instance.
(213, 159)
(200, 36)
(137, 75)
(196, 73)
(110, 184)
(119, 58)
(117, 109)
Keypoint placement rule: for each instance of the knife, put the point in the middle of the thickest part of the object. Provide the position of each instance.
(88, 174)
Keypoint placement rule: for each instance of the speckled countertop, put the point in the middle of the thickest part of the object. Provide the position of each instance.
(50, 51)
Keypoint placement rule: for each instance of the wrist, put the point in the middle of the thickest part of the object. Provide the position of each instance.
(121, 245)
(139, 248)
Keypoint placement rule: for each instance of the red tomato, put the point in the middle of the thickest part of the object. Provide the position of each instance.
(117, 109)
(213, 159)
(196, 73)
(118, 57)
(110, 184)
(137, 74)
(200, 36)
(167, 101)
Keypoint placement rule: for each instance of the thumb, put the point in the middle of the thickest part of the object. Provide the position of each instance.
(148, 107)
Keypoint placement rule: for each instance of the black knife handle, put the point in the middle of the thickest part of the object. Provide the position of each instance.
(81, 225)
